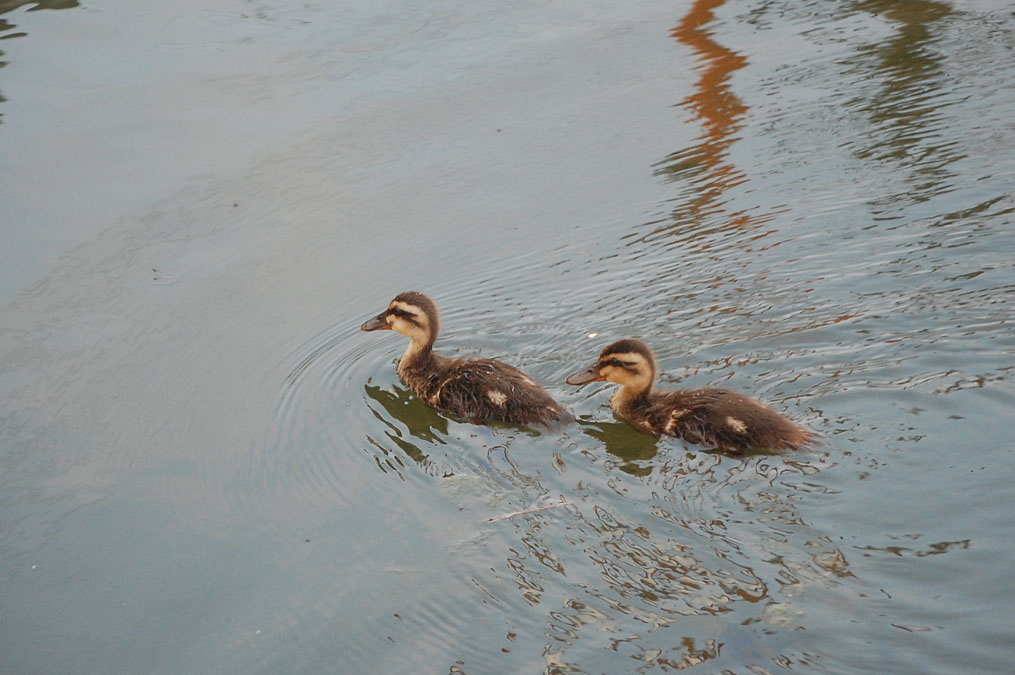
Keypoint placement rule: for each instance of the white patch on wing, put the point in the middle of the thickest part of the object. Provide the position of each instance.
(736, 425)
(497, 397)
(674, 418)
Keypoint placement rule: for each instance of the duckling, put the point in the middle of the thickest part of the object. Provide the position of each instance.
(715, 417)
(475, 389)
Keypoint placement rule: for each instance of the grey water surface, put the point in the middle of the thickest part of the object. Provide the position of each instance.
(206, 467)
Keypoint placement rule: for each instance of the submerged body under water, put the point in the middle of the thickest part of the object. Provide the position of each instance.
(205, 466)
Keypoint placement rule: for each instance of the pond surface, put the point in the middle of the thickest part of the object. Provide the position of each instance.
(205, 466)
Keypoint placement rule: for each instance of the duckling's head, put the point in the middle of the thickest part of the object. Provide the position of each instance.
(629, 363)
(412, 314)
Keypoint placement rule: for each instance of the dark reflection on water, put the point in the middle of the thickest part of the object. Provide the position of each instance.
(11, 5)
(422, 423)
(634, 449)
(936, 548)
(907, 110)
(9, 30)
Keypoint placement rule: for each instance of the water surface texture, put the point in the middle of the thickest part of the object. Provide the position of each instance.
(205, 466)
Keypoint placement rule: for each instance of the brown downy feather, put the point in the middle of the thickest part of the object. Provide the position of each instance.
(715, 417)
(480, 389)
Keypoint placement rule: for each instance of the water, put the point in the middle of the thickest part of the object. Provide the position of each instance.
(206, 467)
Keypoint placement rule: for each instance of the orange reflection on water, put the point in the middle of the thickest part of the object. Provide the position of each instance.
(718, 109)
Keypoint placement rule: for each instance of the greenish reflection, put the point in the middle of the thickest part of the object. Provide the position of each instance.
(7, 6)
(625, 443)
(907, 108)
(11, 5)
(904, 57)
(6, 27)
(421, 422)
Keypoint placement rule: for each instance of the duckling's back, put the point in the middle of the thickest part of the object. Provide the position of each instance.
(724, 419)
(485, 389)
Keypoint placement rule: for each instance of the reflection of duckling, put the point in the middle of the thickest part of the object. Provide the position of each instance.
(470, 388)
(715, 417)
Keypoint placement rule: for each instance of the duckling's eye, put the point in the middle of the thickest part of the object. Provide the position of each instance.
(614, 362)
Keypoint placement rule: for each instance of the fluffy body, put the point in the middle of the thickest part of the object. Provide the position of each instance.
(714, 417)
(478, 389)
(474, 389)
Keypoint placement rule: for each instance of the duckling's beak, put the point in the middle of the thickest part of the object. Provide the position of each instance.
(379, 322)
(585, 376)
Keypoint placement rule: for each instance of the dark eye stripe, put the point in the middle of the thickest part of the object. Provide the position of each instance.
(408, 316)
(631, 366)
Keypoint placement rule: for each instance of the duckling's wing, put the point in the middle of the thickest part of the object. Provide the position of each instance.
(490, 389)
(688, 414)
(726, 419)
